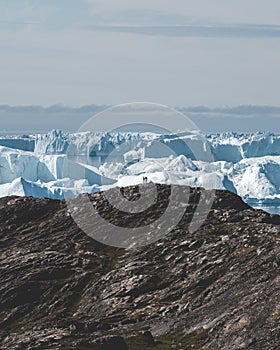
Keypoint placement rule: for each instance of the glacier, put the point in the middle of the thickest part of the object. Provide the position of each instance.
(58, 165)
(230, 147)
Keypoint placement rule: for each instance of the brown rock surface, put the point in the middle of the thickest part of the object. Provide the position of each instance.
(218, 288)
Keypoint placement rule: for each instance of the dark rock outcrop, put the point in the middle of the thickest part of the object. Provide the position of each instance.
(217, 288)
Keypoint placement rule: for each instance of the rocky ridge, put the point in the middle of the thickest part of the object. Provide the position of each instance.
(217, 288)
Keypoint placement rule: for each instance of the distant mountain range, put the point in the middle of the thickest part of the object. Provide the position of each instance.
(22, 119)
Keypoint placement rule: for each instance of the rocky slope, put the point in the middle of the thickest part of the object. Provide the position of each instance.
(218, 288)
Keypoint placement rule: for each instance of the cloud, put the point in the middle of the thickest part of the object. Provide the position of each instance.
(249, 11)
(57, 62)
(231, 31)
(24, 11)
(248, 110)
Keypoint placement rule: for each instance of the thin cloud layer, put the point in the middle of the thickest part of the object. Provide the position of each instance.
(234, 31)
(117, 51)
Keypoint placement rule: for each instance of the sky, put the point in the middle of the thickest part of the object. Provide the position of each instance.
(180, 53)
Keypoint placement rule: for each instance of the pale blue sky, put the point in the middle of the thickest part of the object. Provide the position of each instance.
(179, 53)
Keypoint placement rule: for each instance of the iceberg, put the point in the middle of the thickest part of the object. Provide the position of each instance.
(54, 190)
(233, 147)
(55, 142)
(61, 164)
(258, 179)
(24, 143)
(230, 147)
(53, 176)
(17, 163)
